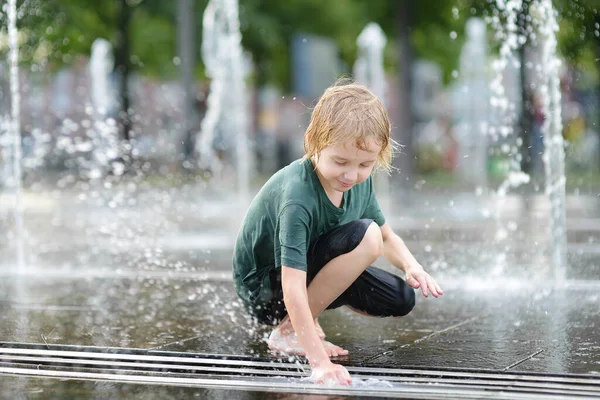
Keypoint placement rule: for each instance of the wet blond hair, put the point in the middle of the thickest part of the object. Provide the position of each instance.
(347, 112)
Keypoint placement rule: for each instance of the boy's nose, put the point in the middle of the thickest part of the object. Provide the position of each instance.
(350, 175)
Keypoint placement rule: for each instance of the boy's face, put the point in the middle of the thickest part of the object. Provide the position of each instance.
(344, 165)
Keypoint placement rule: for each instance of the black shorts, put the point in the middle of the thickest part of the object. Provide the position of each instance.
(375, 292)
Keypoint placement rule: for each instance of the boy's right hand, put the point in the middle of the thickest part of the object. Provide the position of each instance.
(330, 374)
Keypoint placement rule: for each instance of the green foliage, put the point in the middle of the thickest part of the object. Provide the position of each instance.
(268, 27)
(57, 32)
(154, 46)
(579, 35)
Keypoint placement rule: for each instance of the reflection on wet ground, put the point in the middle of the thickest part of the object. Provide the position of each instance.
(537, 329)
(158, 279)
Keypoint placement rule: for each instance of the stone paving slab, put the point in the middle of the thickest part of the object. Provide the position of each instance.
(544, 330)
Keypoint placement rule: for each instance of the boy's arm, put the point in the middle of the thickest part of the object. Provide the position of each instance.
(395, 250)
(295, 297)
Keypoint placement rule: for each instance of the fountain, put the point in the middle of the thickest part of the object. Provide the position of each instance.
(472, 99)
(226, 114)
(544, 21)
(554, 155)
(105, 139)
(369, 70)
(14, 131)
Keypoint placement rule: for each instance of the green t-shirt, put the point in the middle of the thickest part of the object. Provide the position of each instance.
(288, 213)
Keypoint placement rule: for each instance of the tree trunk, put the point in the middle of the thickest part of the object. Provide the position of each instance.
(405, 161)
(527, 115)
(122, 70)
(526, 118)
(596, 124)
(186, 45)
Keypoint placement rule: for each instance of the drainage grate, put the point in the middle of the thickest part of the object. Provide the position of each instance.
(246, 373)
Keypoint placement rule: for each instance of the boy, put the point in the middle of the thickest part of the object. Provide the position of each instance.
(309, 237)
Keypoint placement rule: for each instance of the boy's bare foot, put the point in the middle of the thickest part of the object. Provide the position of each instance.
(286, 325)
(286, 342)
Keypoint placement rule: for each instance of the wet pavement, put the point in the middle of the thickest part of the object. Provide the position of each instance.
(532, 329)
(153, 275)
(528, 330)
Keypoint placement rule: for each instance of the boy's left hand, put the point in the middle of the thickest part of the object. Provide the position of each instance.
(416, 277)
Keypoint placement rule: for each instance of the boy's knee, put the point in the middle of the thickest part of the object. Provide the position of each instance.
(405, 299)
(373, 241)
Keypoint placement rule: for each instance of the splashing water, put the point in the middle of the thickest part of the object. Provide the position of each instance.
(543, 17)
(510, 41)
(105, 133)
(369, 70)
(356, 382)
(554, 154)
(472, 104)
(226, 114)
(502, 101)
(15, 132)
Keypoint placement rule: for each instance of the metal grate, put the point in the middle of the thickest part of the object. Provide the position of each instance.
(246, 373)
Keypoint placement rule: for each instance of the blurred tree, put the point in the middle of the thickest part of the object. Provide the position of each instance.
(56, 32)
(411, 27)
(143, 32)
(527, 114)
(579, 35)
(144, 36)
(268, 26)
(579, 41)
(417, 32)
(405, 21)
(123, 68)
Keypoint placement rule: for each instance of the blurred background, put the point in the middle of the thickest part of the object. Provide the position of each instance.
(152, 123)
(139, 66)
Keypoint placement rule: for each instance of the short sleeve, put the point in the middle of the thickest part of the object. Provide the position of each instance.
(294, 228)
(372, 210)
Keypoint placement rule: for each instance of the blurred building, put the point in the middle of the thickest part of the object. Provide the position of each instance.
(315, 65)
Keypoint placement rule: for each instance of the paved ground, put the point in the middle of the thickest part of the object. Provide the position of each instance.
(150, 270)
(534, 329)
